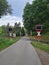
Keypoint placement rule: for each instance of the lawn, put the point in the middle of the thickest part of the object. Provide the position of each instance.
(6, 42)
(41, 46)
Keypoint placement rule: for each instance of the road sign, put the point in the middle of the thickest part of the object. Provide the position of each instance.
(10, 29)
(10, 32)
(38, 30)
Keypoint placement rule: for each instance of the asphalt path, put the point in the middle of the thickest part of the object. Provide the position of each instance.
(20, 53)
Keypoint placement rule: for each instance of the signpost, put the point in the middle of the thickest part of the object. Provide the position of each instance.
(14, 35)
(38, 30)
(10, 32)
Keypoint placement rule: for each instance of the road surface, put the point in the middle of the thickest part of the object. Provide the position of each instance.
(20, 53)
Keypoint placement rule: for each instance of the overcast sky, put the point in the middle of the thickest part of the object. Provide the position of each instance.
(17, 6)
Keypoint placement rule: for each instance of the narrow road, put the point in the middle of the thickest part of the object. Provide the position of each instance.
(20, 53)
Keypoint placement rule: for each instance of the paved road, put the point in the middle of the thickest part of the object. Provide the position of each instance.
(20, 53)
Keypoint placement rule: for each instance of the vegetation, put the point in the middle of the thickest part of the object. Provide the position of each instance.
(4, 30)
(6, 42)
(41, 46)
(45, 36)
(36, 13)
(5, 39)
(4, 8)
(18, 30)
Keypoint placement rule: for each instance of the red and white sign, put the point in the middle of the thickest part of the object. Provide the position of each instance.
(38, 30)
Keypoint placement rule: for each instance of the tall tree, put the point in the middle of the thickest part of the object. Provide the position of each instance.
(4, 7)
(36, 13)
(27, 17)
(17, 29)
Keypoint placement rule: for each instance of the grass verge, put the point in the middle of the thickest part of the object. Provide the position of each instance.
(6, 42)
(41, 46)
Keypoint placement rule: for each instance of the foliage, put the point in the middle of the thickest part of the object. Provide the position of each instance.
(6, 42)
(22, 31)
(17, 29)
(0, 30)
(46, 36)
(4, 30)
(41, 46)
(4, 7)
(36, 13)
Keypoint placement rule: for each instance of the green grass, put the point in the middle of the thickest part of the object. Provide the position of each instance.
(41, 46)
(6, 42)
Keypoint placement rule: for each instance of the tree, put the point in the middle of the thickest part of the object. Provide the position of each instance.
(22, 31)
(4, 8)
(4, 33)
(7, 29)
(27, 17)
(17, 29)
(36, 13)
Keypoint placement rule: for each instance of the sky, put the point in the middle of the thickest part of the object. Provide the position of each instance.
(17, 12)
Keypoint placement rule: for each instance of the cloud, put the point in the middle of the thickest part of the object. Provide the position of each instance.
(10, 19)
(18, 6)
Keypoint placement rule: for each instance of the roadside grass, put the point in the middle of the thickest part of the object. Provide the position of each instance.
(41, 46)
(6, 42)
(44, 38)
